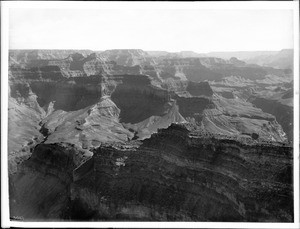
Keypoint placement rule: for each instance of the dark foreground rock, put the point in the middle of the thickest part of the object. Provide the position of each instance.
(176, 175)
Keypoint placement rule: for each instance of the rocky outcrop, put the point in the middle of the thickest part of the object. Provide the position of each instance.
(88, 127)
(40, 190)
(178, 176)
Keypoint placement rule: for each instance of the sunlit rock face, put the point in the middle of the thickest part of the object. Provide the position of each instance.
(123, 135)
(88, 127)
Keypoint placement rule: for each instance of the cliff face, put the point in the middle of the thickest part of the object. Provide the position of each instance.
(138, 99)
(68, 93)
(283, 113)
(177, 174)
(218, 180)
(150, 125)
(198, 89)
(188, 88)
(24, 115)
(40, 189)
(86, 111)
(23, 132)
(88, 127)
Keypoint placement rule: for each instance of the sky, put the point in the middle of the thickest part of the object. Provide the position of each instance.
(173, 30)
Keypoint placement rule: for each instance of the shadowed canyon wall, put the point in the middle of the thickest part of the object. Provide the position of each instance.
(180, 176)
(283, 113)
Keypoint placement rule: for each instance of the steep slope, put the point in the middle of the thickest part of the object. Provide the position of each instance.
(282, 111)
(24, 116)
(88, 127)
(150, 125)
(40, 189)
(138, 99)
(23, 132)
(242, 119)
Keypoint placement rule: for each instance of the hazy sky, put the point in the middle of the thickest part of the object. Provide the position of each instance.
(152, 29)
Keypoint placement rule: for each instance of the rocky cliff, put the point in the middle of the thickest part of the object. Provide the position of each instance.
(40, 189)
(282, 112)
(177, 174)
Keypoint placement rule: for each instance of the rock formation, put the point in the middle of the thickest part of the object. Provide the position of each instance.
(177, 174)
(124, 135)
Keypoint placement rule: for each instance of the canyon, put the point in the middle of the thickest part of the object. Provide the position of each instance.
(130, 135)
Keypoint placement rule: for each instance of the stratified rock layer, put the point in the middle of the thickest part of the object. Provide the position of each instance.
(175, 175)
